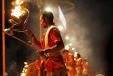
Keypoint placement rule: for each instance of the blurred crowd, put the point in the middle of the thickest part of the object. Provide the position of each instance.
(75, 64)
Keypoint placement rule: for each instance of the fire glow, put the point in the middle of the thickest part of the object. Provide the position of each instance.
(18, 10)
(19, 2)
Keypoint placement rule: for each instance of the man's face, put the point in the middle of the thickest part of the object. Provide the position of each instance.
(43, 22)
(65, 53)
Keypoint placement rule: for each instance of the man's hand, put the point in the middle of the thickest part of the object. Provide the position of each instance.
(28, 32)
(48, 50)
(42, 52)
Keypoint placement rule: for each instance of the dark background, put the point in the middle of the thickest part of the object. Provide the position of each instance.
(94, 16)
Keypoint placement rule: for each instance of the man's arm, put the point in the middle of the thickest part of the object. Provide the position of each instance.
(34, 40)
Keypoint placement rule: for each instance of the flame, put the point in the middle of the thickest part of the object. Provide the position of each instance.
(17, 11)
(67, 37)
(73, 49)
(75, 54)
(67, 47)
(19, 2)
(24, 69)
(70, 44)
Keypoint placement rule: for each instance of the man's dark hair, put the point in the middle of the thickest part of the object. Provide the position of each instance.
(48, 16)
(65, 51)
(78, 55)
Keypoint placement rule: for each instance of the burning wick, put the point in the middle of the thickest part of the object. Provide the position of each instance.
(17, 12)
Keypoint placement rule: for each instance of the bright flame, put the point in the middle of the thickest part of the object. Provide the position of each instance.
(67, 47)
(23, 74)
(70, 44)
(19, 2)
(67, 37)
(24, 69)
(17, 11)
(25, 63)
(75, 54)
(73, 48)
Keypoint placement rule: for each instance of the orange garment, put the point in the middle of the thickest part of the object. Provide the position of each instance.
(70, 64)
(54, 63)
(53, 38)
(70, 60)
(86, 68)
(39, 63)
(79, 64)
(72, 72)
(55, 60)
